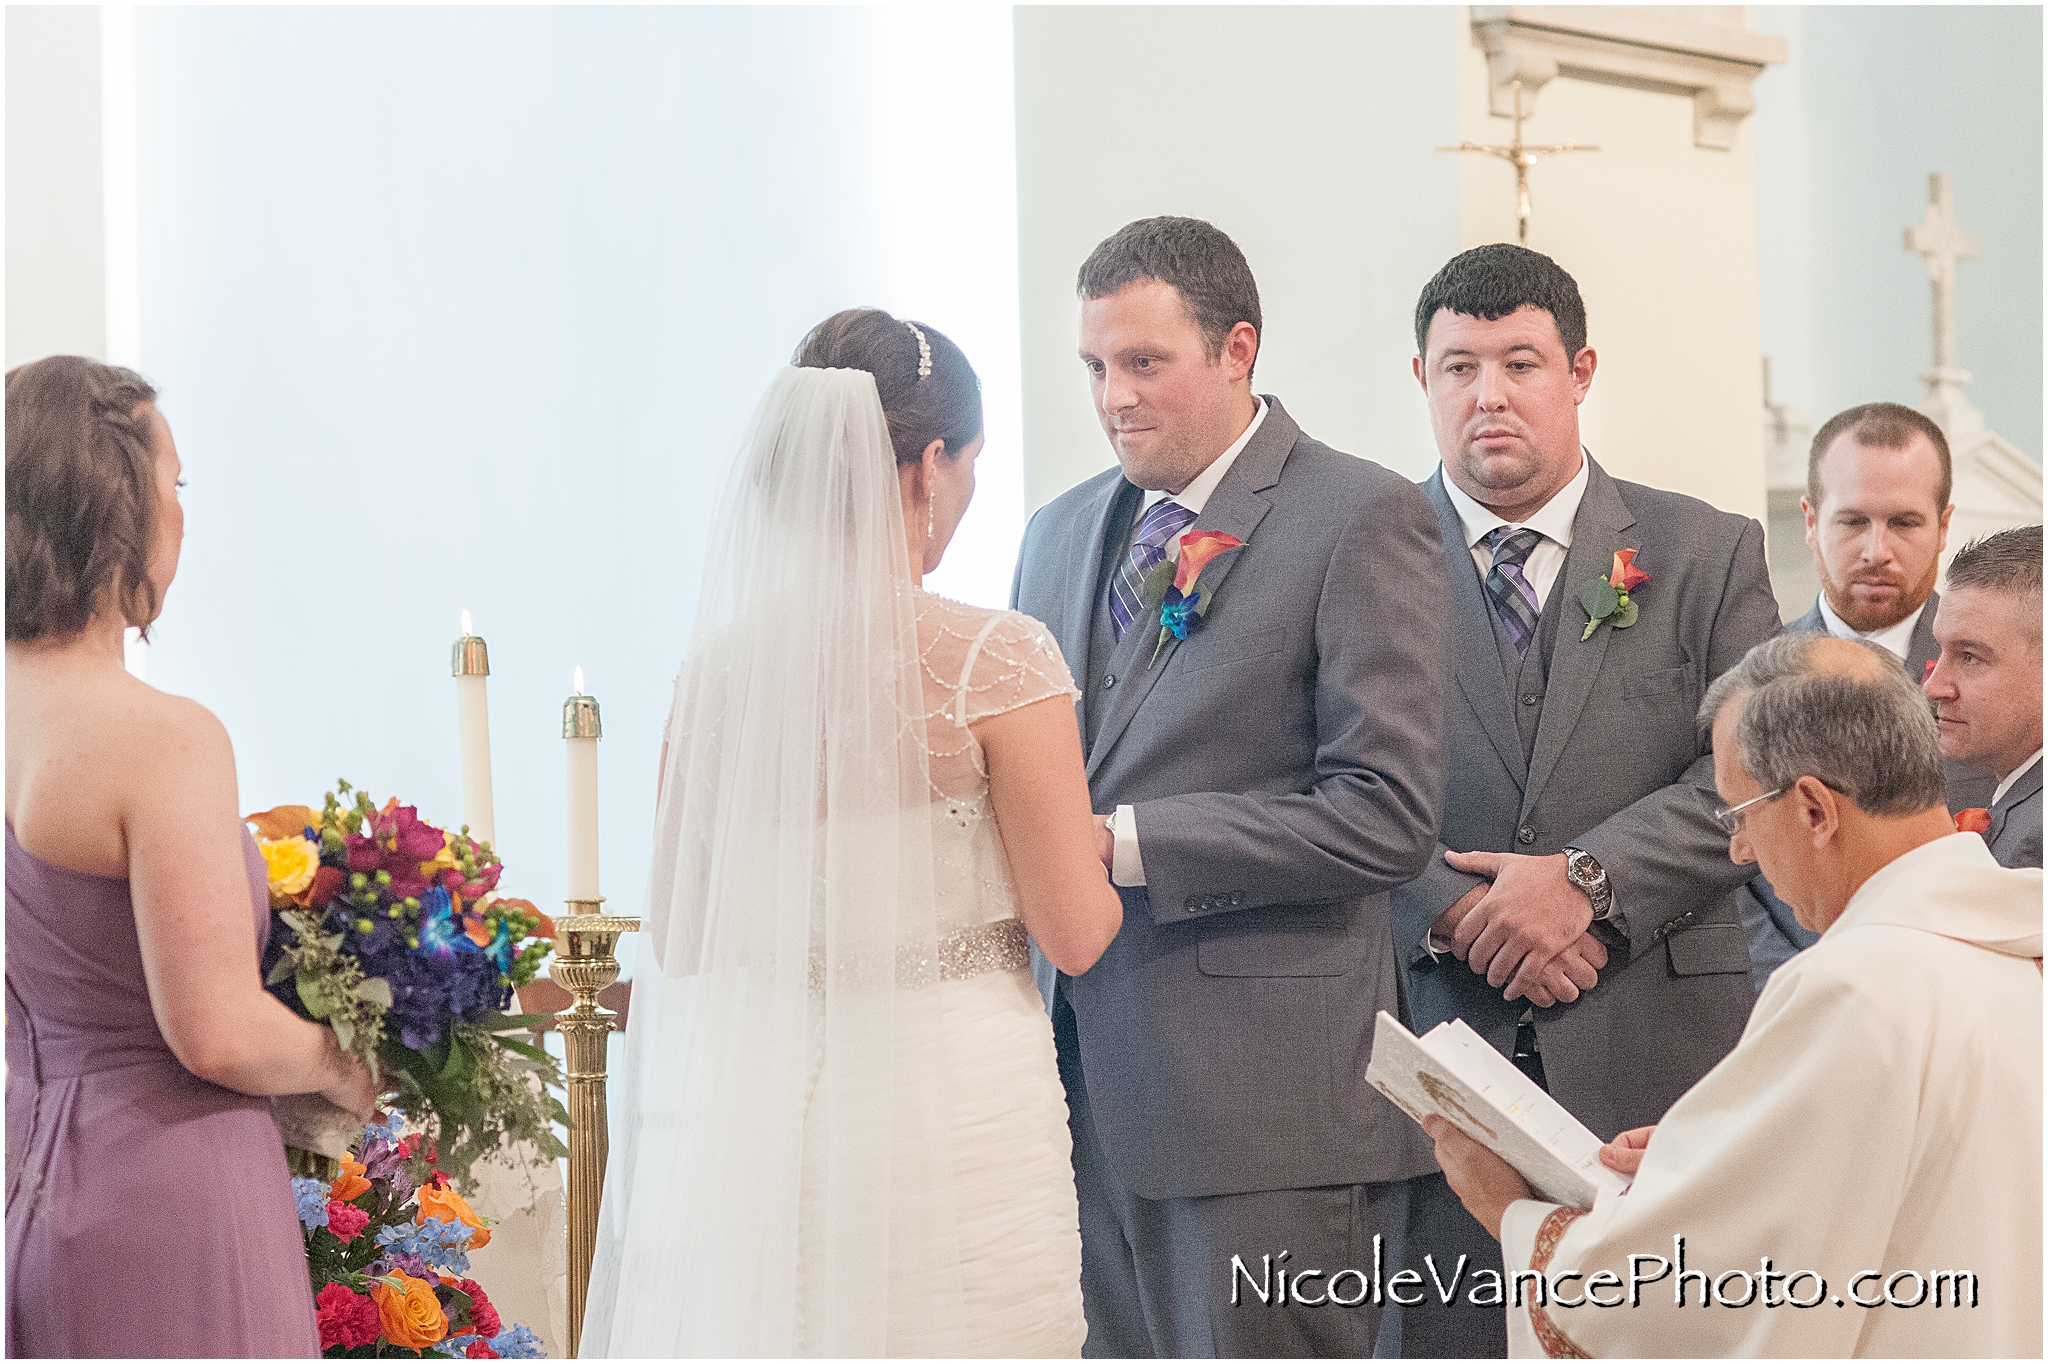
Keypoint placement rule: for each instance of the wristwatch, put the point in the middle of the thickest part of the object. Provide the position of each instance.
(1583, 870)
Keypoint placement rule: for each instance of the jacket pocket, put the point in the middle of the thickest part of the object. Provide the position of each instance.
(1657, 683)
(1709, 949)
(1281, 942)
(1205, 655)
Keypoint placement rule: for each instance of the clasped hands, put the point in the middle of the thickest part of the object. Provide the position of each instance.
(1524, 928)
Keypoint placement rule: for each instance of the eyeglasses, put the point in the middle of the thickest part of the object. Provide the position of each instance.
(1726, 815)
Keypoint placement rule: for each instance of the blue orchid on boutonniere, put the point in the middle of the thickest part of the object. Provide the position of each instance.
(1171, 588)
(1606, 598)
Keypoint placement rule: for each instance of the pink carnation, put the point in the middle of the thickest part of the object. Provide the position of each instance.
(346, 1220)
(345, 1318)
(480, 1349)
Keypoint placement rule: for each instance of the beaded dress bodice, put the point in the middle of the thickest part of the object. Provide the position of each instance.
(977, 663)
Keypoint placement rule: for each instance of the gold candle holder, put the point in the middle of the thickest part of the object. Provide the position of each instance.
(469, 657)
(585, 963)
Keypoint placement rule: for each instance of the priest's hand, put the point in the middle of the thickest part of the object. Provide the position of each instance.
(1532, 913)
(1625, 1152)
(1484, 1182)
(1571, 973)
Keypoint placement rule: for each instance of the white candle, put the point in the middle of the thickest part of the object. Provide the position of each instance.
(473, 730)
(581, 729)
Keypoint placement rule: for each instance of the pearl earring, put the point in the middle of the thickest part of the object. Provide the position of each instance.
(931, 525)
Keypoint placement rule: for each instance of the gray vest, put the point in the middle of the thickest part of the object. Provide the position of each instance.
(1527, 674)
(1102, 640)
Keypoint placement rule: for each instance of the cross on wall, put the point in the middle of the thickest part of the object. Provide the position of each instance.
(1941, 240)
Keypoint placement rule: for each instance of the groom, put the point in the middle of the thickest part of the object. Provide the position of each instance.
(1271, 776)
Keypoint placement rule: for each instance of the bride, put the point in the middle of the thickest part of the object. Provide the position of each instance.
(842, 1130)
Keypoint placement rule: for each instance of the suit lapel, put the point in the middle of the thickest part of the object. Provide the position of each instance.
(1477, 657)
(2027, 787)
(1235, 508)
(1923, 650)
(1084, 572)
(1597, 531)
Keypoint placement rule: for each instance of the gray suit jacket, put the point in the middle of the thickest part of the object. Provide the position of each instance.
(2015, 832)
(1774, 935)
(1618, 767)
(1286, 768)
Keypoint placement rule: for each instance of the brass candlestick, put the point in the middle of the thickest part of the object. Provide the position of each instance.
(584, 964)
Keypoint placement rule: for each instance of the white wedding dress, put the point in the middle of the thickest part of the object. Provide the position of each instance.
(1018, 1223)
(840, 1127)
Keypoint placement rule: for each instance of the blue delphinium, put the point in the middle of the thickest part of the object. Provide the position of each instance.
(517, 1342)
(443, 1245)
(311, 1196)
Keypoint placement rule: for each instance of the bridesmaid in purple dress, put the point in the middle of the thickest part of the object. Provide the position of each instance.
(149, 1211)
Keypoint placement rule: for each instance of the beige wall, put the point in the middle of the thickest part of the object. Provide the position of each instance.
(56, 276)
(1661, 236)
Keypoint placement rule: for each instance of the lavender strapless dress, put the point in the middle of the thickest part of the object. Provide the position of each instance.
(149, 1212)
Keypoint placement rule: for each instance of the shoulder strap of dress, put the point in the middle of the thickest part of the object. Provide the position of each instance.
(967, 669)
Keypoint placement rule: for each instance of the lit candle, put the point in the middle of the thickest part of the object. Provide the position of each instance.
(581, 729)
(472, 664)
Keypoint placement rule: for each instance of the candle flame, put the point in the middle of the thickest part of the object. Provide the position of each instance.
(466, 630)
(579, 680)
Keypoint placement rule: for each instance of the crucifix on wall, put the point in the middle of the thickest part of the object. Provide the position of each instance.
(1941, 240)
(1521, 157)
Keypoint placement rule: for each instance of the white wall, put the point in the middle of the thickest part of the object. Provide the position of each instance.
(1306, 134)
(56, 299)
(1872, 100)
(467, 307)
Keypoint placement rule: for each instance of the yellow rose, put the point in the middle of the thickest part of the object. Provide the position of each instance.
(409, 1313)
(291, 863)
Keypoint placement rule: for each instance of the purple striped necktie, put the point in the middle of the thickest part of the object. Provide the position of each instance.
(1160, 525)
(1514, 600)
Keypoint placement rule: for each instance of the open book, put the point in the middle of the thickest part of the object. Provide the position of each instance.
(1452, 1072)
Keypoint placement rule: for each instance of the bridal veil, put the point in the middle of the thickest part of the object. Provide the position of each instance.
(780, 1181)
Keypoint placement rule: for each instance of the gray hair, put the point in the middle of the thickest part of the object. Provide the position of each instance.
(1865, 731)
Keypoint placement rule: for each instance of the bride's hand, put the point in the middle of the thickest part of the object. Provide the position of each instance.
(1105, 843)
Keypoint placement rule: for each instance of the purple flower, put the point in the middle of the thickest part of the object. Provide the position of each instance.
(1177, 613)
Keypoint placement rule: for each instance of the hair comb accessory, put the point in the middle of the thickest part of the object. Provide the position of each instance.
(924, 352)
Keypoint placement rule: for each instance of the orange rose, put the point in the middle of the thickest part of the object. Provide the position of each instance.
(441, 1200)
(1197, 548)
(349, 1185)
(285, 821)
(409, 1312)
(1974, 820)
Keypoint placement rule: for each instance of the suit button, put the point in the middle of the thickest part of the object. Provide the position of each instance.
(1194, 903)
(1525, 835)
(1109, 680)
(1237, 898)
(1530, 698)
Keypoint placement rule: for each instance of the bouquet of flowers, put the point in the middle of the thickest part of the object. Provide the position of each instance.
(391, 931)
(387, 1244)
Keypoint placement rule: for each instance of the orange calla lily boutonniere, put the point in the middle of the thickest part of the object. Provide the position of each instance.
(1172, 588)
(1606, 598)
(1975, 820)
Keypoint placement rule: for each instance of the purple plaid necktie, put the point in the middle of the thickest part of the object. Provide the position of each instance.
(1166, 520)
(1514, 600)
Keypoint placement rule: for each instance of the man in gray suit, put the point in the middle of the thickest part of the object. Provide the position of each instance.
(1269, 771)
(1986, 686)
(1579, 913)
(1877, 507)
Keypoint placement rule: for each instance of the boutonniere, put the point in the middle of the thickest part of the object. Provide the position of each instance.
(1173, 588)
(1975, 820)
(1606, 598)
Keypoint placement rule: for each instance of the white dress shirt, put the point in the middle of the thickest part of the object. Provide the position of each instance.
(1896, 638)
(2013, 776)
(1553, 521)
(1128, 867)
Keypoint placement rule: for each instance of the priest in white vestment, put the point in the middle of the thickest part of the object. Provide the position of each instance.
(1869, 1157)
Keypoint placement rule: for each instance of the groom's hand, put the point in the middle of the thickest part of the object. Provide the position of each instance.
(1532, 913)
(1105, 844)
(1574, 971)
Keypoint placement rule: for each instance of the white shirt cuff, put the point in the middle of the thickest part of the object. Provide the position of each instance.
(1127, 868)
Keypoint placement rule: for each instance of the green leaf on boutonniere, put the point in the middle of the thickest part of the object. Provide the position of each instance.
(1152, 587)
(1599, 598)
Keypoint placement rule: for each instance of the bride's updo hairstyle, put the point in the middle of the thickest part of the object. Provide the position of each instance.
(944, 405)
